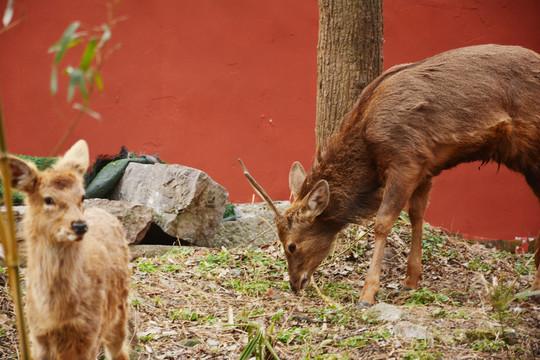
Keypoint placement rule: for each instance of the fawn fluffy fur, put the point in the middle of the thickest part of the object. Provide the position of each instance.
(78, 274)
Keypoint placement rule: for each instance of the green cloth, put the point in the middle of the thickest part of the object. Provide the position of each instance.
(108, 177)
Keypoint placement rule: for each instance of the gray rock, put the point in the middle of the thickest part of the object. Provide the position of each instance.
(187, 204)
(254, 225)
(383, 312)
(407, 331)
(135, 218)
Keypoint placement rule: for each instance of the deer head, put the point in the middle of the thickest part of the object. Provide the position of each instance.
(54, 196)
(306, 239)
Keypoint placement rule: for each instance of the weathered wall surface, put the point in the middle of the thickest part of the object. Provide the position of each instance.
(205, 82)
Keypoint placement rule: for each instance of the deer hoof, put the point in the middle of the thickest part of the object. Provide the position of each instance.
(404, 288)
(364, 304)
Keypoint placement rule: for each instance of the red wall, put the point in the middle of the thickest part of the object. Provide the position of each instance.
(205, 82)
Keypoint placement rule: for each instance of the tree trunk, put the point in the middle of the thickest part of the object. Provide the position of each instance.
(349, 58)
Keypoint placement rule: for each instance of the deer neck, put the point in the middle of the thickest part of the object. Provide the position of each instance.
(56, 266)
(355, 189)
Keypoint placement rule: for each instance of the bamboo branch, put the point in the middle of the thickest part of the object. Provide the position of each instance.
(9, 243)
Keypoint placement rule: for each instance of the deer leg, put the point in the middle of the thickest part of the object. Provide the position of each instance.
(533, 179)
(417, 208)
(536, 282)
(395, 197)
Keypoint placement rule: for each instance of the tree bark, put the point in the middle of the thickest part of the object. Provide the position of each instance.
(349, 57)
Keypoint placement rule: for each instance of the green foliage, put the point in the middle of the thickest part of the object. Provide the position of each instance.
(480, 265)
(85, 76)
(259, 341)
(229, 213)
(421, 352)
(525, 264)
(190, 315)
(336, 314)
(486, 345)
(146, 267)
(424, 296)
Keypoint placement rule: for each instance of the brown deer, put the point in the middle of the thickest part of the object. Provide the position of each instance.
(78, 275)
(408, 125)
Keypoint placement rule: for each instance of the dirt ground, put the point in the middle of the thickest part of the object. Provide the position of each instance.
(198, 303)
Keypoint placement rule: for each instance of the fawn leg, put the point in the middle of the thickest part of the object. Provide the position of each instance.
(41, 349)
(396, 194)
(115, 341)
(76, 342)
(417, 208)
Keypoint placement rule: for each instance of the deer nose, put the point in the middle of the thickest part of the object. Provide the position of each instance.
(293, 288)
(79, 227)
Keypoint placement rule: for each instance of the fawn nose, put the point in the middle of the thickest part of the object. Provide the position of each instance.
(79, 227)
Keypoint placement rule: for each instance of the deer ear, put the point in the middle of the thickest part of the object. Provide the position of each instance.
(75, 159)
(316, 201)
(23, 174)
(297, 175)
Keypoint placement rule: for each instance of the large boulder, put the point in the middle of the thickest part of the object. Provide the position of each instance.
(135, 218)
(187, 204)
(254, 225)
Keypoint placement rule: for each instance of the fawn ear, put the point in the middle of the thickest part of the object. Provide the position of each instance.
(316, 201)
(297, 175)
(75, 159)
(23, 174)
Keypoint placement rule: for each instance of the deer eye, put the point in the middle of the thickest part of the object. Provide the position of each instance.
(292, 247)
(49, 201)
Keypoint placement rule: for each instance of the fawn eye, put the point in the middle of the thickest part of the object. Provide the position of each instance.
(292, 247)
(49, 201)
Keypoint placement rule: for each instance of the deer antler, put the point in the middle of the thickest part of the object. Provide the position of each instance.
(259, 189)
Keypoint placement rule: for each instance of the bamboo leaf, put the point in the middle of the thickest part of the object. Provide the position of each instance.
(8, 13)
(98, 80)
(82, 86)
(89, 54)
(106, 35)
(65, 41)
(54, 81)
(75, 76)
(86, 110)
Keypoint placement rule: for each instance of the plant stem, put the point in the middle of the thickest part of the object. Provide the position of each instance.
(9, 243)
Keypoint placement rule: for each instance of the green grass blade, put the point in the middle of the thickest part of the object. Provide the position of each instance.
(245, 355)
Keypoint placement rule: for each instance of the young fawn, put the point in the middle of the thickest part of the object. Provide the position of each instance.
(78, 275)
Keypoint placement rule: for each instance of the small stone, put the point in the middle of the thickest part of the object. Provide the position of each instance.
(189, 342)
(408, 331)
(212, 342)
(383, 312)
